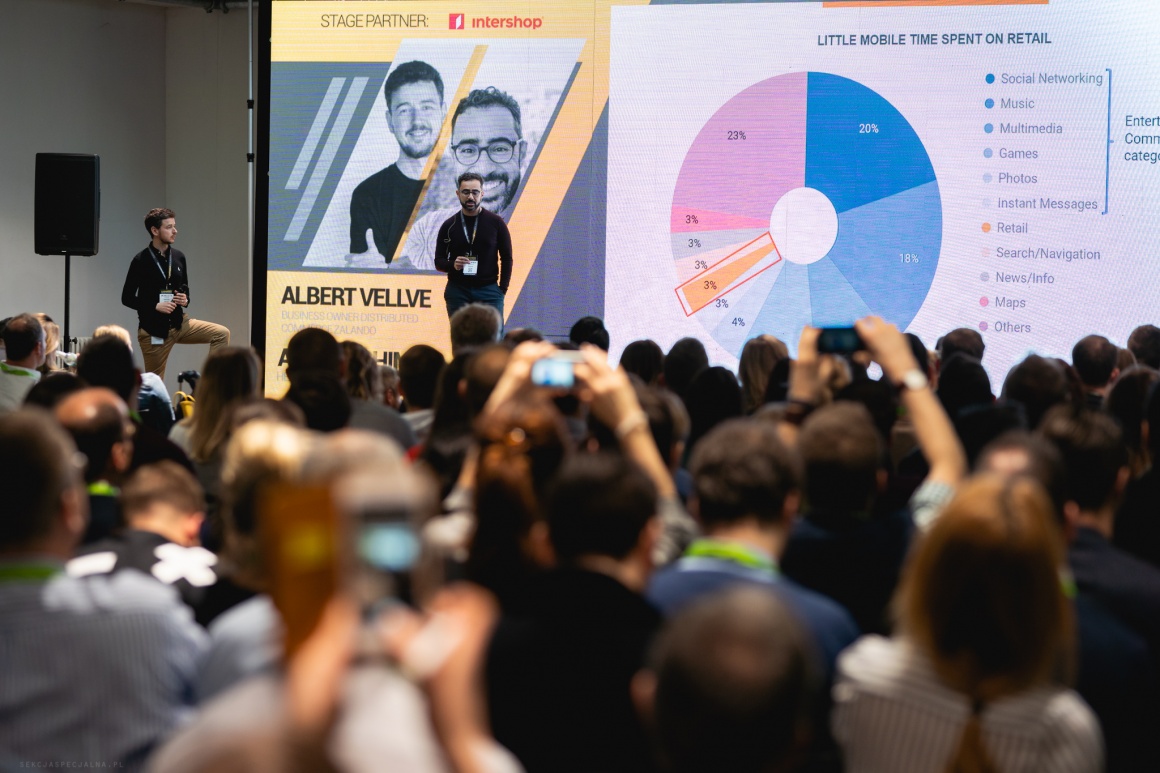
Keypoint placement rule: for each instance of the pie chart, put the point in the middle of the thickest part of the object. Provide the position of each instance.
(806, 199)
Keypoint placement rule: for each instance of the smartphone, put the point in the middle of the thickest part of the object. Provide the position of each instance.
(839, 340)
(557, 371)
(387, 539)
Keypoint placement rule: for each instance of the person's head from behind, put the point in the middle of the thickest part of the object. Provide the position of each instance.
(602, 506)
(51, 340)
(419, 369)
(1020, 453)
(743, 472)
(842, 454)
(115, 330)
(1094, 359)
(45, 508)
(981, 597)
(731, 685)
(25, 342)
(589, 330)
(963, 382)
(1126, 401)
(164, 498)
(364, 381)
(1094, 457)
(685, 359)
(107, 362)
(757, 360)
(1037, 384)
(1144, 343)
(515, 336)
(98, 421)
(50, 390)
(522, 445)
(313, 349)
(962, 339)
(414, 96)
(473, 326)
(481, 374)
(487, 139)
(712, 397)
(230, 377)
(645, 360)
(389, 376)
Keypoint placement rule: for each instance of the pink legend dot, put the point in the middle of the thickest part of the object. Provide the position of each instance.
(983, 301)
(983, 326)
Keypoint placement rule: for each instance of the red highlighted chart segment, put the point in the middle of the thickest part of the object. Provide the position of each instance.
(728, 274)
(821, 179)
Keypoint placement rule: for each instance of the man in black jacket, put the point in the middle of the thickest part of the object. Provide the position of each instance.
(157, 286)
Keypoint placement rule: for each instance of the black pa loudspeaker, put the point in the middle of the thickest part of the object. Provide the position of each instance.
(68, 203)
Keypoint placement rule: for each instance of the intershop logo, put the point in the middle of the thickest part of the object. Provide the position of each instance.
(455, 22)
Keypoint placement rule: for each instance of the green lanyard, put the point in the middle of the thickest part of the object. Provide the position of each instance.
(103, 488)
(733, 552)
(27, 572)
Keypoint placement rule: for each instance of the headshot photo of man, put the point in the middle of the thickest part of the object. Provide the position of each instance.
(382, 203)
(487, 139)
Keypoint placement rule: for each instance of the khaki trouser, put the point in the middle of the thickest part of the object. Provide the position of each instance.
(192, 331)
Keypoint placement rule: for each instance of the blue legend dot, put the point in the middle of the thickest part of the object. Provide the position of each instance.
(987, 177)
(987, 152)
(989, 103)
(990, 78)
(988, 128)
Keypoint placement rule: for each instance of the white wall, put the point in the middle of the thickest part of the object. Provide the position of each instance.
(160, 95)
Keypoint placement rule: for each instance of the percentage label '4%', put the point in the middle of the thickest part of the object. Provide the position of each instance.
(738, 322)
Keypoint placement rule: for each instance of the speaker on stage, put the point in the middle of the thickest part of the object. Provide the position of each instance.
(68, 203)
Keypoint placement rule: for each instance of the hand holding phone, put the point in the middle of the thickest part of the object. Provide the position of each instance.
(839, 340)
(557, 371)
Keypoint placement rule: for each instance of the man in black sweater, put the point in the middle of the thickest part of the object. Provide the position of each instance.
(157, 287)
(474, 248)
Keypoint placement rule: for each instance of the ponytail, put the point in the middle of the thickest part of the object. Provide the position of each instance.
(971, 754)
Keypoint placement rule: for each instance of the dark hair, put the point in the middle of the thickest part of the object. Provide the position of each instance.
(1042, 462)
(37, 465)
(736, 685)
(1036, 384)
(364, 381)
(644, 359)
(489, 97)
(758, 357)
(515, 336)
(740, 470)
(1144, 343)
(842, 453)
(712, 397)
(53, 388)
(589, 330)
(668, 420)
(313, 348)
(107, 362)
(468, 176)
(164, 481)
(481, 375)
(408, 73)
(598, 505)
(963, 382)
(1126, 402)
(920, 352)
(685, 360)
(473, 326)
(155, 217)
(962, 339)
(323, 399)
(419, 369)
(450, 435)
(1094, 358)
(95, 437)
(1093, 453)
(21, 335)
(880, 398)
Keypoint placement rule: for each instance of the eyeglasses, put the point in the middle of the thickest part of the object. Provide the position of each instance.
(468, 153)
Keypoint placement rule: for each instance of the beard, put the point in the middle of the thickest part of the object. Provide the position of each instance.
(421, 144)
(500, 197)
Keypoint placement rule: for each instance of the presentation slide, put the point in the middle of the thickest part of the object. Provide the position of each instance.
(722, 170)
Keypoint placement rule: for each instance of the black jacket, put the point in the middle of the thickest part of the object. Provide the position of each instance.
(145, 282)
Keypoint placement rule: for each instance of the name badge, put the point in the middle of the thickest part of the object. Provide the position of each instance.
(166, 297)
(472, 268)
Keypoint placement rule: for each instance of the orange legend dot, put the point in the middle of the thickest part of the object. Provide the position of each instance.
(986, 228)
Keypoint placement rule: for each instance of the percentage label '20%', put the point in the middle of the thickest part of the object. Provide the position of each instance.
(867, 128)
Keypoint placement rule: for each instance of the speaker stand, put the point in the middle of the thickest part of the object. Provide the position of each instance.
(67, 289)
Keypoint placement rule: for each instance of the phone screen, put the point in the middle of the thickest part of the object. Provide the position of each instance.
(553, 372)
(839, 340)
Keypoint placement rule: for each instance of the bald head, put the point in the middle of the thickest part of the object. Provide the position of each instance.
(98, 421)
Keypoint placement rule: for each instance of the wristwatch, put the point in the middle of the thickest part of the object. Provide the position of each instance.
(913, 379)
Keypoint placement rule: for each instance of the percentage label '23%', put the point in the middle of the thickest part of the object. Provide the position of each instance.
(735, 134)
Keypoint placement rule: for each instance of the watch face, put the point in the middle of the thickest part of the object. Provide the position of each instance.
(915, 379)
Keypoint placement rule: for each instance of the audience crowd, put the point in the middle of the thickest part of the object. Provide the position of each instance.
(668, 566)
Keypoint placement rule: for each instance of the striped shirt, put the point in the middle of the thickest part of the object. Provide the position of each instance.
(891, 714)
(93, 670)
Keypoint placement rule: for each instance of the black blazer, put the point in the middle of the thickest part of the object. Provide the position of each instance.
(143, 285)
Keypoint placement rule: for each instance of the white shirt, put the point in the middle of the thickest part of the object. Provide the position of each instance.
(893, 715)
(14, 385)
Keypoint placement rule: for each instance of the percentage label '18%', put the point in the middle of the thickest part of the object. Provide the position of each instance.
(908, 257)
(735, 134)
(867, 128)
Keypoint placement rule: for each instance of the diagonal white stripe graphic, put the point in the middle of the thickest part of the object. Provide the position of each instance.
(315, 134)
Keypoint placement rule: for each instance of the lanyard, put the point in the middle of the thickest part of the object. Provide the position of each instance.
(731, 551)
(27, 572)
(474, 229)
(169, 262)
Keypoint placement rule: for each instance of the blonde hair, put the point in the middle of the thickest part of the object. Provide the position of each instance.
(230, 378)
(983, 599)
(51, 342)
(115, 330)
